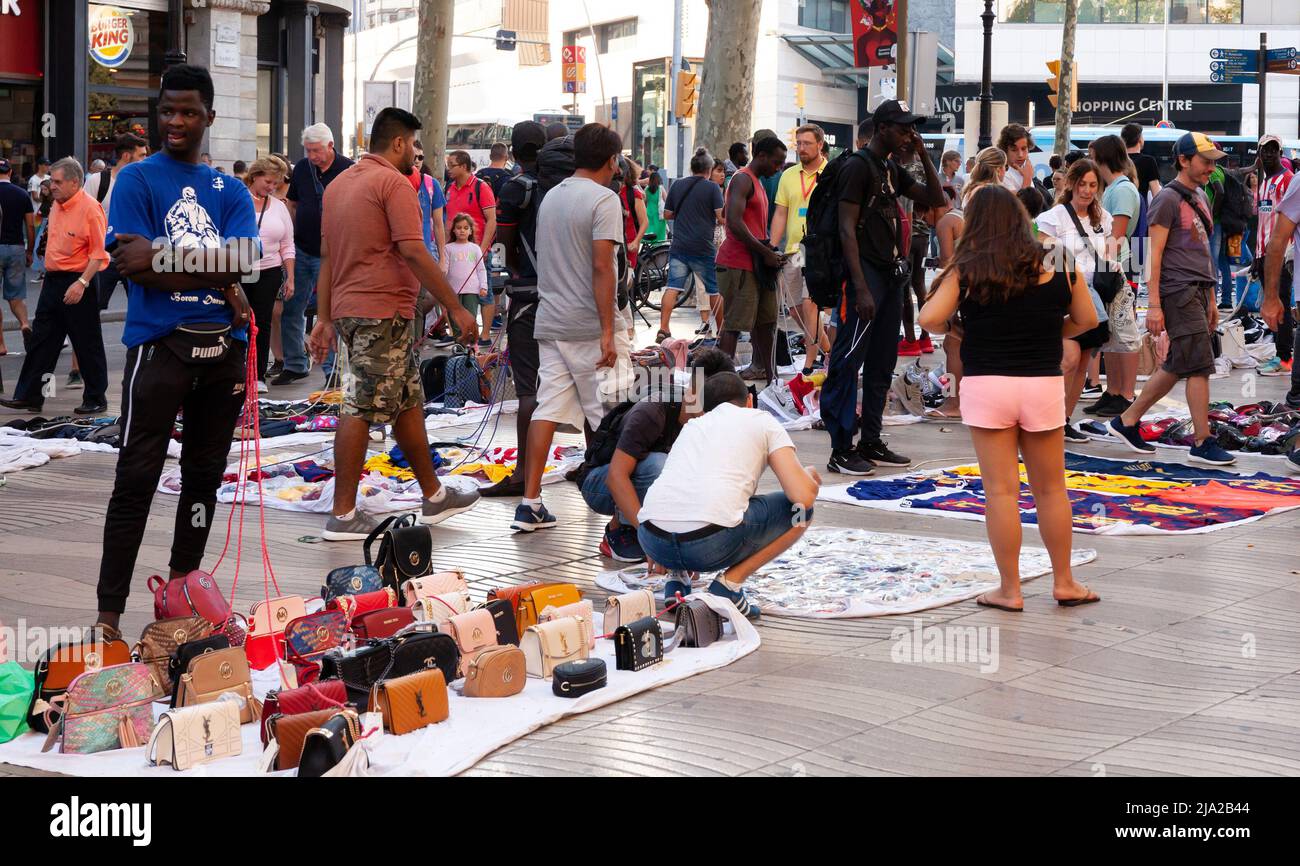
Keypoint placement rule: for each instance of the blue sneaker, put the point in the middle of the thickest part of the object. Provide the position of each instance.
(678, 582)
(621, 544)
(528, 520)
(1211, 454)
(739, 599)
(1293, 461)
(1131, 436)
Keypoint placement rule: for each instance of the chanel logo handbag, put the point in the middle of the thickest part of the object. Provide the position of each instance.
(697, 625)
(437, 609)
(213, 674)
(288, 733)
(434, 584)
(62, 664)
(191, 736)
(575, 679)
(496, 672)
(548, 644)
(533, 601)
(415, 652)
(322, 695)
(473, 632)
(179, 663)
(411, 702)
(326, 745)
(582, 608)
(384, 623)
(628, 607)
(160, 640)
(405, 550)
(350, 580)
(638, 645)
(104, 708)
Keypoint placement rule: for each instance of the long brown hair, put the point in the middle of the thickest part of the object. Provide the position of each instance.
(997, 256)
(1078, 172)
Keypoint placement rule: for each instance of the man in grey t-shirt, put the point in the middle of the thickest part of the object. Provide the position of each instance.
(579, 227)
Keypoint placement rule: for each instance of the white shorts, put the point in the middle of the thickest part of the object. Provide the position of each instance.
(793, 289)
(569, 383)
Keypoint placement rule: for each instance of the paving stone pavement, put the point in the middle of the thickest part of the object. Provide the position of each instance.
(1189, 666)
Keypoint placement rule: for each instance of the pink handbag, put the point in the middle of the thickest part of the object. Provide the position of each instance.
(433, 584)
(473, 632)
(582, 609)
(195, 593)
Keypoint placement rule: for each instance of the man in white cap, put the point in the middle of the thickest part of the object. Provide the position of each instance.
(1274, 182)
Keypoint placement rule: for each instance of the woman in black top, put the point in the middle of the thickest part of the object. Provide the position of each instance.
(1014, 311)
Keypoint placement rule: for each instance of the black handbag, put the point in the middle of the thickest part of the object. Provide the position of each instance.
(324, 747)
(638, 645)
(766, 277)
(405, 551)
(697, 625)
(575, 679)
(359, 669)
(1107, 278)
(416, 651)
(503, 617)
(179, 663)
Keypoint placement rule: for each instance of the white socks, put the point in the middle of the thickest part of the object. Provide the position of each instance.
(734, 587)
(346, 517)
(534, 504)
(439, 496)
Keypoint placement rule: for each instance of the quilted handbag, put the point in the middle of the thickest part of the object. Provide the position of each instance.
(106, 708)
(503, 617)
(179, 663)
(63, 663)
(355, 605)
(191, 736)
(308, 637)
(697, 625)
(437, 609)
(575, 679)
(582, 608)
(376, 624)
(195, 593)
(496, 672)
(414, 652)
(267, 620)
(326, 745)
(473, 633)
(405, 550)
(159, 641)
(358, 669)
(214, 674)
(534, 601)
(290, 731)
(350, 580)
(322, 695)
(638, 645)
(628, 607)
(434, 584)
(411, 702)
(551, 643)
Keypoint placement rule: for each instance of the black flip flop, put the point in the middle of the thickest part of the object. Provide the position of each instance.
(982, 603)
(1076, 602)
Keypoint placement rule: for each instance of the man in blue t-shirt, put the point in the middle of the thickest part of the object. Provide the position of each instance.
(694, 205)
(186, 331)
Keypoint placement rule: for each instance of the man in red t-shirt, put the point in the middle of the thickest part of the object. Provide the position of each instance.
(470, 194)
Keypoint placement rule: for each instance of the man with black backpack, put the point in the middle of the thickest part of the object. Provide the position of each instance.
(875, 262)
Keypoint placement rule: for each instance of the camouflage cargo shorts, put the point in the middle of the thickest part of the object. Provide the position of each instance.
(381, 375)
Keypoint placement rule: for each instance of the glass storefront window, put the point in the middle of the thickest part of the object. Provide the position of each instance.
(1122, 11)
(651, 97)
(122, 92)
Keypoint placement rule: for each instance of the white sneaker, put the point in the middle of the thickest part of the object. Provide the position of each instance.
(261, 387)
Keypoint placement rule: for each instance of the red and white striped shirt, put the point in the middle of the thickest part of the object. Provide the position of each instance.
(1269, 195)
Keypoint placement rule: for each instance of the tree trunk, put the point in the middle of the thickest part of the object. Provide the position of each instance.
(726, 101)
(1065, 101)
(433, 80)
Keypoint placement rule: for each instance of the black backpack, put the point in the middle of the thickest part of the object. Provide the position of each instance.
(433, 378)
(823, 266)
(1234, 213)
(555, 162)
(604, 441)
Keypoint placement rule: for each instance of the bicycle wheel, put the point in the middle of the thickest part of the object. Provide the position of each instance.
(652, 278)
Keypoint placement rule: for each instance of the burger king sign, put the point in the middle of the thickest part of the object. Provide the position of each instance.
(111, 36)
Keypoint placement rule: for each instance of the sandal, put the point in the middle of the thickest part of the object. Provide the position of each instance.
(982, 602)
(1090, 598)
(662, 335)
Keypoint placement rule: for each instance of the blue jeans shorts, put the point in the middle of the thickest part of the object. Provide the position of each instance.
(680, 267)
(767, 518)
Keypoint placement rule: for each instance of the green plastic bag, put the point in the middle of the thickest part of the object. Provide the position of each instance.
(16, 686)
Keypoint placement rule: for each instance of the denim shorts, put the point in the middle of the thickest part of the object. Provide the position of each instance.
(13, 271)
(680, 267)
(767, 518)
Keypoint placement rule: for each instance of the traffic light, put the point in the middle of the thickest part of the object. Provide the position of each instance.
(1054, 84)
(799, 96)
(792, 137)
(688, 94)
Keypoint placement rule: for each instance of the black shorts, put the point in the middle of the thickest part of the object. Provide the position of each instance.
(1094, 339)
(521, 346)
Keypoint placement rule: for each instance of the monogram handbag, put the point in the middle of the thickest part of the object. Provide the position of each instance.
(195, 593)
(308, 637)
(102, 709)
(187, 652)
(405, 550)
(496, 672)
(214, 674)
(503, 617)
(354, 605)
(326, 745)
(575, 679)
(191, 736)
(377, 624)
(160, 640)
(628, 607)
(533, 601)
(434, 584)
(473, 632)
(697, 625)
(411, 702)
(322, 695)
(350, 580)
(638, 645)
(437, 609)
(63, 663)
(548, 644)
(290, 731)
(582, 608)
(266, 623)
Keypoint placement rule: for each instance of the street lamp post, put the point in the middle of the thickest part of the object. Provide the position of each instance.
(175, 53)
(986, 84)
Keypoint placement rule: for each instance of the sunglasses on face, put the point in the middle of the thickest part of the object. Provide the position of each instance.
(419, 157)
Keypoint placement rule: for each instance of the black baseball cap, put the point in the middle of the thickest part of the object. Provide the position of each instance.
(528, 132)
(895, 111)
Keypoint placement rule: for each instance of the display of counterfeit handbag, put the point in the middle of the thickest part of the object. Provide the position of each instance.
(322, 695)
(496, 672)
(405, 550)
(214, 674)
(697, 625)
(511, 595)
(355, 605)
(377, 624)
(434, 584)
(411, 702)
(638, 645)
(179, 663)
(358, 669)
(548, 644)
(583, 608)
(309, 637)
(628, 607)
(326, 745)
(190, 736)
(415, 651)
(532, 602)
(437, 609)
(288, 732)
(160, 640)
(266, 624)
(63, 663)
(473, 632)
(575, 679)
(503, 617)
(350, 580)
(105, 708)
(195, 593)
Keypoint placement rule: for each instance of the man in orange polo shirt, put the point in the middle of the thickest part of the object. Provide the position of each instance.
(68, 307)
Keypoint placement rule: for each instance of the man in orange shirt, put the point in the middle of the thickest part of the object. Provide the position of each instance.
(68, 307)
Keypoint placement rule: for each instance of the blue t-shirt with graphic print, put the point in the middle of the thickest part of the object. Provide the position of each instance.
(191, 206)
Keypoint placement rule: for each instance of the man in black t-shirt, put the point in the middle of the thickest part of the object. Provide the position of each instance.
(875, 258)
(17, 243)
(1148, 170)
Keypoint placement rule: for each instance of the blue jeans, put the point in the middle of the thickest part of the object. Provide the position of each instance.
(1224, 266)
(595, 489)
(13, 271)
(293, 320)
(767, 518)
(680, 267)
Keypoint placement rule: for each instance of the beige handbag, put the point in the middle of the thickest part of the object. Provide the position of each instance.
(437, 609)
(473, 632)
(190, 736)
(548, 644)
(213, 674)
(583, 609)
(433, 584)
(628, 607)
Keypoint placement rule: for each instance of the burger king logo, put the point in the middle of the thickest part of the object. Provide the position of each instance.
(111, 36)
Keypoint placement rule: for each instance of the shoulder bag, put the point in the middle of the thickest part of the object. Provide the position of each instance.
(288, 732)
(350, 580)
(577, 678)
(628, 607)
(160, 640)
(308, 637)
(322, 695)
(583, 608)
(195, 593)
(358, 669)
(434, 584)
(267, 620)
(697, 625)
(415, 651)
(503, 617)
(533, 601)
(378, 624)
(496, 672)
(179, 662)
(638, 645)
(105, 708)
(325, 746)
(405, 550)
(552, 643)
(214, 674)
(1107, 278)
(411, 702)
(353, 606)
(473, 632)
(190, 736)
(437, 609)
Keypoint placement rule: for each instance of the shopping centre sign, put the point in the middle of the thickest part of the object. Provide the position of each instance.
(111, 36)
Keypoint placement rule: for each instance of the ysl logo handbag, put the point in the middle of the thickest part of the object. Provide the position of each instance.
(628, 607)
(411, 702)
(496, 672)
(62, 664)
(473, 632)
(638, 645)
(439, 608)
(160, 640)
(575, 679)
(434, 584)
(191, 736)
(548, 644)
(105, 708)
(322, 695)
(697, 625)
(214, 674)
(350, 580)
(326, 745)
(405, 550)
(533, 601)
(583, 609)
(290, 732)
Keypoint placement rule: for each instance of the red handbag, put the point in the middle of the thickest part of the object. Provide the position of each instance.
(322, 695)
(355, 605)
(196, 593)
(377, 624)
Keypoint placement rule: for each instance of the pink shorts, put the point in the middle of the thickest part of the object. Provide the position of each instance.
(1033, 403)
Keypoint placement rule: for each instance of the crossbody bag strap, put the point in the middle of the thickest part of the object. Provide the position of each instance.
(1084, 236)
(1196, 206)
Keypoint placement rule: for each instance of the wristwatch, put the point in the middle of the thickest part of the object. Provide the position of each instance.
(85, 283)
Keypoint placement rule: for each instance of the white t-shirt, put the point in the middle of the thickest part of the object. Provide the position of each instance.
(93, 181)
(713, 469)
(1013, 180)
(34, 185)
(1057, 223)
